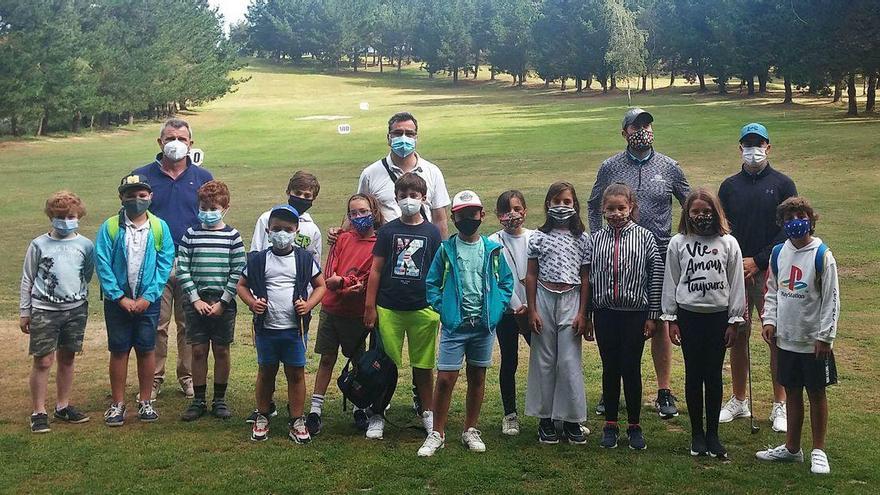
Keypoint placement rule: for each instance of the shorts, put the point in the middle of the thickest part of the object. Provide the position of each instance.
(472, 341)
(126, 331)
(51, 330)
(205, 329)
(420, 329)
(336, 331)
(281, 346)
(802, 369)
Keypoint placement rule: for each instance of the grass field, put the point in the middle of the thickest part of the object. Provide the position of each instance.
(488, 137)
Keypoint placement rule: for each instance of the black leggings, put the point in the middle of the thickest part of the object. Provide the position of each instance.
(508, 342)
(702, 343)
(621, 339)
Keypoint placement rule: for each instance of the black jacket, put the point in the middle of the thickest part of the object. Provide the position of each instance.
(750, 203)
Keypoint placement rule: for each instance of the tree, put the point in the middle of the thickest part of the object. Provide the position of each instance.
(626, 42)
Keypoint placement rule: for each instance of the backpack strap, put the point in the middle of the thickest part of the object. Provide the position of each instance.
(155, 227)
(394, 179)
(774, 259)
(820, 258)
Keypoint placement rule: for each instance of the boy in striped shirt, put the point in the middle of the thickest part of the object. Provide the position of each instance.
(210, 258)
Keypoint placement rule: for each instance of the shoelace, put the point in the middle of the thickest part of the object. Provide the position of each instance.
(115, 410)
(819, 459)
(147, 408)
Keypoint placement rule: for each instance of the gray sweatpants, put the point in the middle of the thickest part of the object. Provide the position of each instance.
(556, 376)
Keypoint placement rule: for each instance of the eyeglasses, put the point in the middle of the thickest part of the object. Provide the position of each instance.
(401, 132)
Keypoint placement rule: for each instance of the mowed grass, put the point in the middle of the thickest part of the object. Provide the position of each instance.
(487, 137)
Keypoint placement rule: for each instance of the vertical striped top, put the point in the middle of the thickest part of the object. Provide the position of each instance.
(626, 270)
(210, 260)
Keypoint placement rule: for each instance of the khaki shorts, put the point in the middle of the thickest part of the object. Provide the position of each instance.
(339, 331)
(51, 330)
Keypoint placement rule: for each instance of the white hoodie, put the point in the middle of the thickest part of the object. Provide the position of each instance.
(802, 305)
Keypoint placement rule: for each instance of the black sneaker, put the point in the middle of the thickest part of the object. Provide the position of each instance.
(70, 415)
(195, 411)
(636, 438)
(574, 433)
(360, 419)
(600, 406)
(698, 444)
(220, 409)
(273, 411)
(313, 423)
(147, 413)
(609, 436)
(665, 404)
(547, 432)
(40, 423)
(715, 448)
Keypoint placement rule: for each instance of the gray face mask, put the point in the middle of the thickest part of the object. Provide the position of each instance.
(136, 206)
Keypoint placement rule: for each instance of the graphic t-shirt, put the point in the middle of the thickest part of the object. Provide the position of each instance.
(560, 255)
(408, 251)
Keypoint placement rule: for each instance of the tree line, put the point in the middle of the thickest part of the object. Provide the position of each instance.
(819, 46)
(66, 64)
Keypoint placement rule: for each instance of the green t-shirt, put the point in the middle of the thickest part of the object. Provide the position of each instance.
(470, 269)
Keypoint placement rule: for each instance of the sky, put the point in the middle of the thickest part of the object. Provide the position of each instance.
(232, 10)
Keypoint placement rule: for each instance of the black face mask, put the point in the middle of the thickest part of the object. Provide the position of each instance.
(300, 204)
(468, 226)
(703, 224)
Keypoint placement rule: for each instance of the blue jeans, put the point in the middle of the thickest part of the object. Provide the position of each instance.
(125, 330)
(474, 341)
(285, 346)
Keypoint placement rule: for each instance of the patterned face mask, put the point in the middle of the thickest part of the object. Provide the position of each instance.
(512, 220)
(560, 214)
(703, 224)
(797, 228)
(617, 220)
(641, 140)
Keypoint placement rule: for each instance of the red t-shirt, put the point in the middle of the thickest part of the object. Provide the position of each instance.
(350, 258)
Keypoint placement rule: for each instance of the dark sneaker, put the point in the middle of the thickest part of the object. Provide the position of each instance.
(574, 433)
(313, 423)
(665, 404)
(360, 419)
(195, 411)
(273, 411)
(636, 438)
(298, 431)
(600, 406)
(609, 437)
(70, 415)
(715, 448)
(40, 423)
(115, 415)
(220, 409)
(146, 413)
(547, 432)
(698, 445)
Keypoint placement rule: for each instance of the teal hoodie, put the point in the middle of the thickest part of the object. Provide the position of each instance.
(443, 285)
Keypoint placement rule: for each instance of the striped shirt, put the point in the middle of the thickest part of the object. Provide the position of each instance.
(210, 260)
(626, 271)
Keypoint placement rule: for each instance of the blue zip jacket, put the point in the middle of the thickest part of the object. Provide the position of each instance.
(111, 264)
(444, 288)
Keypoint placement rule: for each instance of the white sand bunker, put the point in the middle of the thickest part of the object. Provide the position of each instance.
(324, 117)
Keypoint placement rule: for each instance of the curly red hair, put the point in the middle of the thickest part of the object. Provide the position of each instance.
(63, 204)
(214, 193)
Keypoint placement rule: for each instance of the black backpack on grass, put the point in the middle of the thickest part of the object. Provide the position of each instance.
(370, 379)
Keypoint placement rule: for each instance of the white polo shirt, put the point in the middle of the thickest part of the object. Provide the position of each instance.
(375, 180)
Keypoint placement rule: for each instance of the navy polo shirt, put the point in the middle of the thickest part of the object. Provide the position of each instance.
(175, 200)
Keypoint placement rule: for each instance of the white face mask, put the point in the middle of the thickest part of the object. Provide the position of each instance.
(409, 206)
(754, 158)
(175, 150)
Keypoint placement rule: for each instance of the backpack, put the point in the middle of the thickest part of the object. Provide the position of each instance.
(369, 381)
(820, 259)
(155, 228)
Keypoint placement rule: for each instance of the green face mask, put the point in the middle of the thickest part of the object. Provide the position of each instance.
(135, 207)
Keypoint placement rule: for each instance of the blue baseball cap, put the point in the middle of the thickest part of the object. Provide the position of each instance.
(284, 211)
(754, 128)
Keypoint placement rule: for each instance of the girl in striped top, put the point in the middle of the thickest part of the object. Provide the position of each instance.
(556, 287)
(626, 280)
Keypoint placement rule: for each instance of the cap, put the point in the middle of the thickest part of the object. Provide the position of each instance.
(464, 199)
(754, 128)
(132, 181)
(284, 210)
(634, 114)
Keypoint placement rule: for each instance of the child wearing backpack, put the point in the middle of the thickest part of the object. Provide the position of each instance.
(704, 302)
(556, 294)
(134, 253)
(801, 311)
(341, 323)
(626, 277)
(470, 285)
(58, 267)
(275, 286)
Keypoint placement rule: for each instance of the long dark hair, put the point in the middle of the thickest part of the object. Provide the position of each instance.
(575, 224)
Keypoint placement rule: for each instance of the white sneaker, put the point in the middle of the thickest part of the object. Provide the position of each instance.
(375, 427)
(779, 417)
(510, 424)
(734, 408)
(781, 454)
(428, 421)
(471, 439)
(433, 443)
(819, 462)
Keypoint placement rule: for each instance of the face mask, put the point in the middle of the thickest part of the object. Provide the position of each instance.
(403, 146)
(703, 224)
(409, 206)
(64, 227)
(641, 140)
(135, 207)
(210, 217)
(300, 204)
(754, 158)
(468, 226)
(175, 150)
(560, 214)
(512, 220)
(362, 224)
(617, 220)
(796, 228)
(281, 239)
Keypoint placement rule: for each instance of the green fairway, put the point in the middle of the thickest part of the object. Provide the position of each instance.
(488, 137)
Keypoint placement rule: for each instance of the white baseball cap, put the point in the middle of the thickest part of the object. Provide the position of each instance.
(465, 199)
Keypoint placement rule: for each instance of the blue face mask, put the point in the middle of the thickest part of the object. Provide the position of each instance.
(64, 227)
(403, 146)
(796, 228)
(210, 217)
(362, 224)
